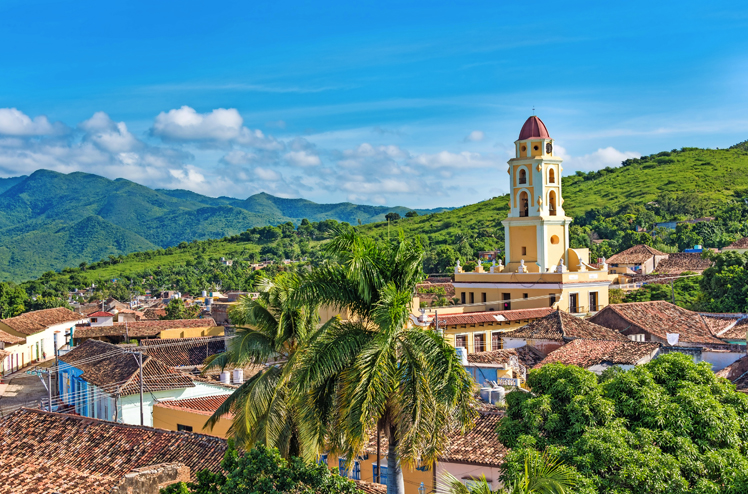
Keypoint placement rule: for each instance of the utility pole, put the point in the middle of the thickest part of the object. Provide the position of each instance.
(140, 364)
(49, 388)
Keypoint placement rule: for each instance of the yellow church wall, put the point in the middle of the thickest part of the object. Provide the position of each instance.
(168, 418)
(536, 152)
(555, 251)
(191, 332)
(523, 236)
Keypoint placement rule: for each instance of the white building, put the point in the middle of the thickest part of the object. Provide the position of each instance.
(101, 318)
(44, 332)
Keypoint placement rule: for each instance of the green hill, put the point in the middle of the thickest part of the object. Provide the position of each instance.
(43, 208)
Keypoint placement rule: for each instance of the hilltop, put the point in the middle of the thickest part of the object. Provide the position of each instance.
(52, 220)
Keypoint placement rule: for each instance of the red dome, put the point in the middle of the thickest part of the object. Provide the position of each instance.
(534, 128)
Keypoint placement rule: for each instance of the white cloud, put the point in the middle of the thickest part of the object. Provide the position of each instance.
(302, 158)
(267, 174)
(16, 123)
(109, 135)
(601, 158)
(475, 136)
(463, 160)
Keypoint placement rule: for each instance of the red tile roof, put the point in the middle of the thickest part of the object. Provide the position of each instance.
(101, 314)
(738, 244)
(560, 326)
(117, 372)
(492, 316)
(735, 370)
(43, 452)
(658, 318)
(637, 254)
(204, 405)
(153, 313)
(527, 356)
(680, 262)
(586, 353)
(183, 351)
(142, 329)
(10, 339)
(36, 321)
(370, 487)
(533, 128)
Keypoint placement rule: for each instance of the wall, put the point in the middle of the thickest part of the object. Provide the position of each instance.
(412, 477)
(470, 330)
(720, 360)
(130, 405)
(148, 480)
(524, 236)
(462, 470)
(168, 418)
(44, 339)
(191, 332)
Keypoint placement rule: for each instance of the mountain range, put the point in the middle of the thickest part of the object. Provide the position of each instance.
(52, 220)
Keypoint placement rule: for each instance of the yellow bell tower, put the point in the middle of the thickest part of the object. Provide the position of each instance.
(536, 229)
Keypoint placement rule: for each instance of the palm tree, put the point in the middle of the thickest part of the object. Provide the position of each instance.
(270, 328)
(375, 371)
(543, 475)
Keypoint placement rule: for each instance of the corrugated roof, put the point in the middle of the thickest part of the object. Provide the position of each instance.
(43, 452)
(560, 325)
(38, 320)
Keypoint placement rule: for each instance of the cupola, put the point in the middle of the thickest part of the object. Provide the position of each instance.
(534, 128)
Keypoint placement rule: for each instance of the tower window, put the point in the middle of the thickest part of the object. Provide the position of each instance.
(524, 148)
(524, 251)
(552, 203)
(535, 148)
(524, 204)
(551, 176)
(523, 176)
(525, 295)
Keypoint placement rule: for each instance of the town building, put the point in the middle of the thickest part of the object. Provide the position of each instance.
(639, 259)
(541, 269)
(101, 380)
(42, 452)
(164, 329)
(596, 355)
(503, 367)
(739, 246)
(44, 332)
(10, 348)
(191, 414)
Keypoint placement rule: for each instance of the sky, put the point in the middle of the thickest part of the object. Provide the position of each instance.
(396, 103)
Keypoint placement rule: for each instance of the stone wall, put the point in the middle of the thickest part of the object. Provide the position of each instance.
(150, 479)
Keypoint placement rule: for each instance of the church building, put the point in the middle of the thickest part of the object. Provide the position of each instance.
(540, 269)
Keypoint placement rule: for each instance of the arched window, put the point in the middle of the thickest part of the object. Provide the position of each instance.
(552, 202)
(524, 204)
(551, 176)
(522, 176)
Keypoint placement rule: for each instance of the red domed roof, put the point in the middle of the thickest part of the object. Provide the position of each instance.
(534, 128)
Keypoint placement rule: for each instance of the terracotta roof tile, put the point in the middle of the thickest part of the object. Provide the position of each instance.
(730, 326)
(680, 262)
(560, 325)
(735, 370)
(116, 371)
(152, 313)
(10, 339)
(101, 314)
(204, 405)
(141, 329)
(527, 356)
(370, 487)
(738, 244)
(637, 254)
(659, 318)
(493, 316)
(43, 452)
(586, 353)
(39, 320)
(184, 351)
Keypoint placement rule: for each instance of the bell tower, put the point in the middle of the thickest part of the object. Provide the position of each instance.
(536, 229)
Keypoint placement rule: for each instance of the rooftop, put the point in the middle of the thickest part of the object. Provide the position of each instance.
(586, 353)
(533, 128)
(492, 316)
(637, 254)
(738, 244)
(115, 371)
(204, 405)
(659, 318)
(560, 325)
(39, 320)
(43, 452)
(184, 352)
(527, 356)
(142, 329)
(101, 313)
(683, 261)
(9, 339)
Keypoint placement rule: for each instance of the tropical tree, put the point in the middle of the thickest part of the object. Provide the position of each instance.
(271, 328)
(543, 474)
(374, 371)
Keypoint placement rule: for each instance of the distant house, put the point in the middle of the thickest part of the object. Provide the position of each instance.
(101, 380)
(739, 246)
(557, 329)
(164, 329)
(737, 373)
(639, 259)
(101, 318)
(511, 363)
(596, 356)
(44, 332)
(190, 415)
(42, 452)
(10, 349)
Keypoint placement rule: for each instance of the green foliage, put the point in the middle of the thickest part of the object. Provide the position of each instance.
(686, 291)
(176, 309)
(262, 470)
(725, 285)
(668, 426)
(392, 216)
(12, 300)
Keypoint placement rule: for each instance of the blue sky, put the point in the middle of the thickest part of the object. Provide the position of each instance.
(407, 103)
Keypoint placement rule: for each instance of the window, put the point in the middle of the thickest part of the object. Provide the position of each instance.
(496, 341)
(507, 298)
(93, 319)
(185, 428)
(593, 301)
(552, 298)
(462, 298)
(355, 473)
(552, 202)
(483, 297)
(524, 251)
(554, 239)
(525, 295)
(573, 303)
(461, 341)
(383, 478)
(472, 297)
(522, 176)
(479, 343)
(322, 460)
(524, 204)
(551, 176)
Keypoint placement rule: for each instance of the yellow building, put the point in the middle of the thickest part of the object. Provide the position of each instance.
(191, 414)
(541, 269)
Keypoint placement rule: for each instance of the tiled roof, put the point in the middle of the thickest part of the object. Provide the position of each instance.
(560, 325)
(39, 320)
(142, 329)
(370, 487)
(735, 370)
(527, 356)
(726, 326)
(43, 452)
(116, 371)
(184, 351)
(585, 353)
(658, 318)
(101, 314)
(493, 316)
(10, 339)
(204, 405)
(154, 313)
(637, 254)
(738, 244)
(88, 308)
(480, 446)
(683, 261)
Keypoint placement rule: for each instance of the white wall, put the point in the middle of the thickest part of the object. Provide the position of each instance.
(130, 404)
(720, 360)
(514, 342)
(461, 470)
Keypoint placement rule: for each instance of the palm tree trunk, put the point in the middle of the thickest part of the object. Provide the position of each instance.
(395, 483)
